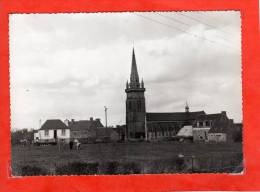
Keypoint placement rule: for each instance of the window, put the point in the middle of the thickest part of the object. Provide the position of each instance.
(207, 123)
(201, 123)
(46, 132)
(63, 132)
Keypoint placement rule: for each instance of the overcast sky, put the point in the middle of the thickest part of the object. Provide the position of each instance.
(72, 65)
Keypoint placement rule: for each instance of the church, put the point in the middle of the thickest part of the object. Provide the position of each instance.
(141, 124)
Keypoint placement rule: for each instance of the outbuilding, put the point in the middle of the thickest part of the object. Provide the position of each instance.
(52, 131)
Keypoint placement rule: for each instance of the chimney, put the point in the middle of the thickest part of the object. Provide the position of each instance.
(91, 118)
(72, 121)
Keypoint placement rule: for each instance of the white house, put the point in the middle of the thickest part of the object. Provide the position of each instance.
(52, 131)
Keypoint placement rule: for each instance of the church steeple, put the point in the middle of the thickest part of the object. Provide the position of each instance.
(135, 105)
(134, 78)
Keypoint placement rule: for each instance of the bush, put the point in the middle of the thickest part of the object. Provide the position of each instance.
(78, 168)
(33, 170)
(130, 168)
(92, 168)
(111, 168)
(180, 163)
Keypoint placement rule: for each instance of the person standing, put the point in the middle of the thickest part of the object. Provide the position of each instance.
(71, 144)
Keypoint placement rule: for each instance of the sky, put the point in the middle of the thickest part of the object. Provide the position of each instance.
(69, 66)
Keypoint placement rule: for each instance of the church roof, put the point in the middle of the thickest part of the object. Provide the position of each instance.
(53, 124)
(215, 116)
(177, 116)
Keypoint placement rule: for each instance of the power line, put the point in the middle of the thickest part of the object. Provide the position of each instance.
(170, 18)
(195, 19)
(176, 20)
(178, 29)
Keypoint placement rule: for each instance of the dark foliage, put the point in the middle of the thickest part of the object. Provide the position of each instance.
(111, 168)
(17, 136)
(33, 170)
(131, 168)
(77, 168)
(180, 163)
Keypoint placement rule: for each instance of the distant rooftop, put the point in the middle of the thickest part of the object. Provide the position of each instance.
(176, 116)
(53, 124)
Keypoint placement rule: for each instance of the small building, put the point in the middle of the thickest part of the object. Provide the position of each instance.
(85, 130)
(52, 131)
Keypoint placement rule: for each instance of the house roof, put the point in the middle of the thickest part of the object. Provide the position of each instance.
(53, 124)
(85, 125)
(185, 131)
(177, 116)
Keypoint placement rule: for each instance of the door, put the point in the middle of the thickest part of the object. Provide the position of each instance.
(55, 134)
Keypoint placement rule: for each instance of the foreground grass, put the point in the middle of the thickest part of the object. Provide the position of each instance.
(126, 158)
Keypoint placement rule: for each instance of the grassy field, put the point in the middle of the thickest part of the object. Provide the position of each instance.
(148, 156)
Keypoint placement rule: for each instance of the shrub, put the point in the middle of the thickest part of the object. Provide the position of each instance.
(180, 163)
(92, 168)
(111, 168)
(130, 168)
(33, 170)
(77, 168)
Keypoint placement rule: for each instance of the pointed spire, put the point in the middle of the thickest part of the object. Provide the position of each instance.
(134, 78)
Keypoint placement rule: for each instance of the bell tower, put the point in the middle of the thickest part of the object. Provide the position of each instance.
(135, 104)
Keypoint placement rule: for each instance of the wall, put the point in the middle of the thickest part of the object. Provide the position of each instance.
(42, 135)
(152, 135)
(217, 137)
(66, 136)
(200, 134)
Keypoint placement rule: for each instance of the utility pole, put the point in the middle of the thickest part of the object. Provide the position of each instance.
(106, 114)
